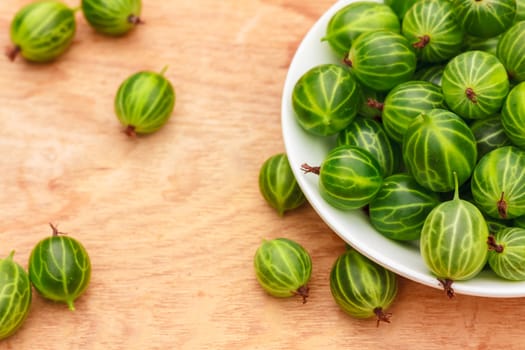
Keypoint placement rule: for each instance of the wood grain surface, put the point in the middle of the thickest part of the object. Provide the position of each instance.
(172, 220)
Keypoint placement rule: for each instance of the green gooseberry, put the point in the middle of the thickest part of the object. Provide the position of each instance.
(325, 99)
(60, 268)
(278, 185)
(112, 17)
(354, 19)
(15, 296)
(433, 30)
(453, 241)
(361, 287)
(144, 102)
(42, 30)
(283, 268)
(507, 253)
(486, 18)
(381, 59)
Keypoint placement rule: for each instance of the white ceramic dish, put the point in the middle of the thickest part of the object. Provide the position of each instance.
(353, 227)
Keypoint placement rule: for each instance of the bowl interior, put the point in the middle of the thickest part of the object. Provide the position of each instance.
(354, 227)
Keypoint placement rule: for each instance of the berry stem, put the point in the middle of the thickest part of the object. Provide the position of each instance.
(382, 316)
(347, 60)
(447, 287)
(375, 104)
(471, 95)
(493, 245)
(135, 19)
(423, 41)
(12, 51)
(130, 131)
(56, 232)
(303, 292)
(502, 206)
(310, 169)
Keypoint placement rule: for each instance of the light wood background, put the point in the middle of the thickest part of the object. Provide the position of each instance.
(172, 220)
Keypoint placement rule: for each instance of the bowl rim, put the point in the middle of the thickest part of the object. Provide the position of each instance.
(402, 259)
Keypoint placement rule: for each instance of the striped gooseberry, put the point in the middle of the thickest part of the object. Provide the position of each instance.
(278, 185)
(112, 17)
(325, 99)
(370, 135)
(436, 145)
(405, 102)
(361, 287)
(485, 18)
(144, 102)
(60, 268)
(453, 241)
(283, 268)
(401, 206)
(433, 30)
(498, 183)
(381, 59)
(511, 51)
(349, 177)
(475, 84)
(507, 253)
(513, 115)
(354, 19)
(15, 296)
(42, 30)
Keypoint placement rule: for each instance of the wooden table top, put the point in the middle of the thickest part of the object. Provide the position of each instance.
(172, 220)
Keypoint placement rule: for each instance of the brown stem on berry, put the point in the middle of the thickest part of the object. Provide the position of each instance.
(471, 95)
(12, 51)
(130, 131)
(502, 206)
(447, 287)
(56, 232)
(310, 169)
(135, 19)
(493, 245)
(347, 60)
(382, 316)
(374, 104)
(423, 41)
(303, 292)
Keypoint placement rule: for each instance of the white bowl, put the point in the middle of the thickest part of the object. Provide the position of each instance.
(354, 227)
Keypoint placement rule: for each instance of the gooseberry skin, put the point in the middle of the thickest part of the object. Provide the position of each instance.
(112, 18)
(361, 287)
(60, 268)
(453, 241)
(432, 74)
(144, 102)
(437, 144)
(513, 115)
(486, 18)
(400, 7)
(283, 268)
(42, 30)
(405, 102)
(354, 19)
(381, 59)
(433, 30)
(489, 134)
(475, 84)
(511, 51)
(278, 185)
(400, 208)
(349, 177)
(15, 296)
(325, 99)
(498, 183)
(507, 253)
